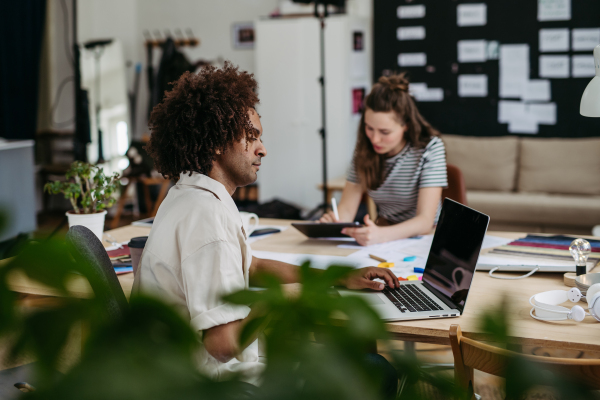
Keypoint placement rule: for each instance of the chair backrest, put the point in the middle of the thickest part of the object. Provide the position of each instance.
(456, 189)
(470, 354)
(87, 248)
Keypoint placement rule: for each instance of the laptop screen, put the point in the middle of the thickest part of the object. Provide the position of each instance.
(453, 256)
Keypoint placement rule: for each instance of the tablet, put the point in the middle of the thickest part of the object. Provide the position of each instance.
(325, 229)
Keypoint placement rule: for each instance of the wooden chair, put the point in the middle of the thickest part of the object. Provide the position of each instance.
(456, 189)
(470, 354)
(151, 207)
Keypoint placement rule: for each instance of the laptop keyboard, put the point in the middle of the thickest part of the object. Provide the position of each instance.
(410, 298)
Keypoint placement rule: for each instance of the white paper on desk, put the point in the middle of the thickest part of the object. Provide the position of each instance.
(394, 245)
(411, 12)
(316, 261)
(554, 66)
(537, 90)
(582, 66)
(472, 85)
(494, 241)
(471, 14)
(554, 10)
(556, 39)
(412, 59)
(544, 114)
(410, 33)
(472, 51)
(585, 38)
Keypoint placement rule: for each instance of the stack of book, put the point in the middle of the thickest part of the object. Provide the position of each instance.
(554, 247)
(121, 260)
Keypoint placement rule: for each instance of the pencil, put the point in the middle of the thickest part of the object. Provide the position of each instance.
(377, 258)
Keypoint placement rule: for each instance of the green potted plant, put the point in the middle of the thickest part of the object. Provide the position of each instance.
(90, 193)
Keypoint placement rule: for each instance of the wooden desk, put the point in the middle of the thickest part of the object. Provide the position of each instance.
(486, 292)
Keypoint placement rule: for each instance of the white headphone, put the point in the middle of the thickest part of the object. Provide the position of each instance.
(546, 304)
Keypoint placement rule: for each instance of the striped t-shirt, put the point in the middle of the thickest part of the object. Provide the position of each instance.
(406, 173)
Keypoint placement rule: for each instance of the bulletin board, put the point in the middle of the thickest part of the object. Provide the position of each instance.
(434, 33)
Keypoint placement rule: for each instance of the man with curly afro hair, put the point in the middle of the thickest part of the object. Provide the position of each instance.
(207, 133)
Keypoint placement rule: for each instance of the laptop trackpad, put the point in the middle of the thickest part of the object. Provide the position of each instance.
(370, 298)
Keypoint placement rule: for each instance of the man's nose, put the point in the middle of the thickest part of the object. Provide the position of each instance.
(261, 151)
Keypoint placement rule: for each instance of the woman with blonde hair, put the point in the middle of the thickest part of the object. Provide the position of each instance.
(399, 161)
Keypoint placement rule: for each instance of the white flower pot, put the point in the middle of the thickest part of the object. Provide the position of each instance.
(94, 222)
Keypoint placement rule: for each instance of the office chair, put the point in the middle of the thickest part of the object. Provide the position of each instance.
(470, 354)
(87, 248)
(456, 189)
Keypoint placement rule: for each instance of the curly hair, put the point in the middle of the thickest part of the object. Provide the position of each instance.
(200, 117)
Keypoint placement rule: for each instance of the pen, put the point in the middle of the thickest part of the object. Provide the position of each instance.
(334, 207)
(377, 258)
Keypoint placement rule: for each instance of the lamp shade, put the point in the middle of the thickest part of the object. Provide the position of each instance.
(590, 101)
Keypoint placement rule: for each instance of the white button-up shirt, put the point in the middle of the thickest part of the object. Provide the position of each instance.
(196, 253)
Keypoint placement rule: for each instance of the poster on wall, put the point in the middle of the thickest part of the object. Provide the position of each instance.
(358, 100)
(243, 35)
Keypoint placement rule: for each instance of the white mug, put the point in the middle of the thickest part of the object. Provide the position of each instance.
(247, 218)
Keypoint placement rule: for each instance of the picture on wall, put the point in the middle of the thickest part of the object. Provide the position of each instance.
(358, 100)
(243, 35)
(358, 41)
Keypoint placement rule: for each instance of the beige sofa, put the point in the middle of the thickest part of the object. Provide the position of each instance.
(531, 184)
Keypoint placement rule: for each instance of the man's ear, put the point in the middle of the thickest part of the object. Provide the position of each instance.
(218, 152)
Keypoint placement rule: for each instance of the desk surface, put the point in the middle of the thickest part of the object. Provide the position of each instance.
(486, 292)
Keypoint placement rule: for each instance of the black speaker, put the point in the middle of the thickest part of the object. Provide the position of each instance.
(337, 3)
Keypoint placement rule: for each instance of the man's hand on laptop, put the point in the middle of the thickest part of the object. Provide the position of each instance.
(363, 279)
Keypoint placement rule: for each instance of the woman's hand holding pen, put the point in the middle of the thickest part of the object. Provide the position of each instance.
(328, 217)
(368, 234)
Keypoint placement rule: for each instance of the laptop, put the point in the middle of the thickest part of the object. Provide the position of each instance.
(448, 273)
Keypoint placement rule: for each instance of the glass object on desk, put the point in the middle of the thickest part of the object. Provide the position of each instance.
(580, 249)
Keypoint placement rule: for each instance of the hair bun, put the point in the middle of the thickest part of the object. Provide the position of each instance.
(395, 82)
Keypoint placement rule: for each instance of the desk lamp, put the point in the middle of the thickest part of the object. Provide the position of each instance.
(580, 249)
(590, 101)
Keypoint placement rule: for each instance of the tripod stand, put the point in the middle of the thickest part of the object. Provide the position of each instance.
(324, 206)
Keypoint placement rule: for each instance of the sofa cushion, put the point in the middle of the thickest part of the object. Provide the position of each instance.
(487, 163)
(567, 166)
(538, 208)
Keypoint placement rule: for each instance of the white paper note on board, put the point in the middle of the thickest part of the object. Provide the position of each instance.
(537, 90)
(510, 110)
(582, 66)
(585, 39)
(543, 113)
(411, 12)
(430, 95)
(554, 10)
(554, 66)
(514, 70)
(523, 125)
(554, 39)
(472, 85)
(472, 51)
(410, 33)
(471, 14)
(412, 59)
